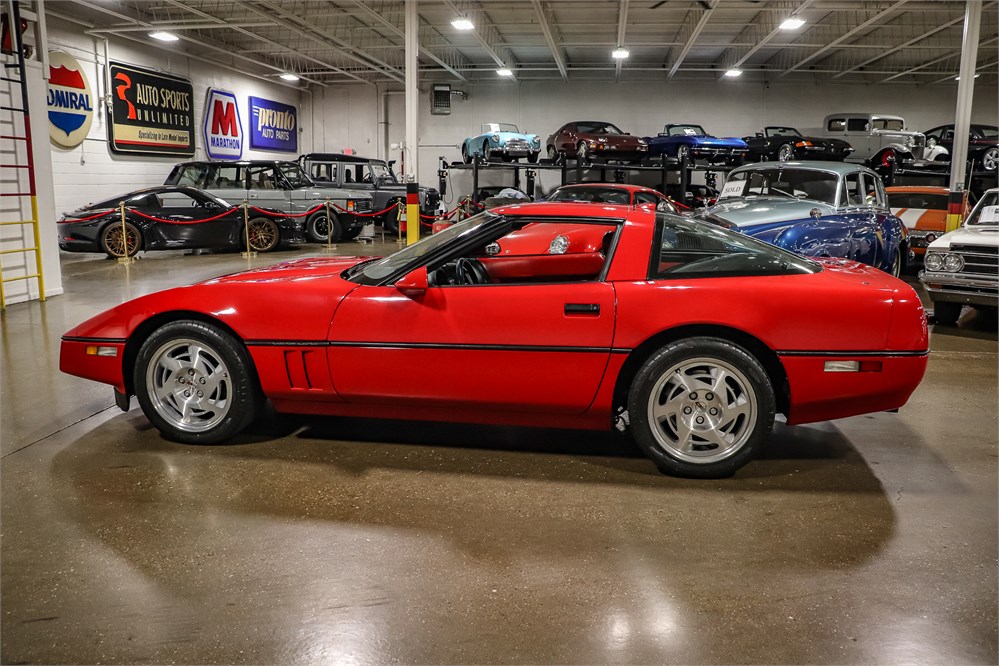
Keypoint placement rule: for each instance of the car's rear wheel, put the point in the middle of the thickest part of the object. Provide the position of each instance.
(990, 159)
(118, 244)
(264, 234)
(897, 264)
(701, 407)
(946, 313)
(465, 157)
(487, 154)
(319, 229)
(195, 383)
(683, 154)
(533, 157)
(553, 155)
(785, 153)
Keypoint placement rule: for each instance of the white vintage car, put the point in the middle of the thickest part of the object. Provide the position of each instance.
(962, 267)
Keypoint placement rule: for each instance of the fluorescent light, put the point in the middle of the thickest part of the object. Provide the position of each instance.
(462, 23)
(620, 53)
(288, 76)
(503, 71)
(164, 36)
(792, 23)
(958, 78)
(733, 73)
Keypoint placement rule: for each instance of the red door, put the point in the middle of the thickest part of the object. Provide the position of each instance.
(519, 347)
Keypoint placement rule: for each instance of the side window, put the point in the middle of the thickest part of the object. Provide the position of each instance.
(263, 178)
(870, 190)
(191, 174)
(325, 172)
(856, 125)
(178, 200)
(227, 177)
(852, 194)
(645, 198)
(935, 134)
(881, 199)
(949, 135)
(836, 125)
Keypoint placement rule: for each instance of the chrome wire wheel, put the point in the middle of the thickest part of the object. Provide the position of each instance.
(264, 235)
(702, 410)
(189, 385)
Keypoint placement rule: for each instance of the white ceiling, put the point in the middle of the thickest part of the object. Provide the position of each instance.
(340, 41)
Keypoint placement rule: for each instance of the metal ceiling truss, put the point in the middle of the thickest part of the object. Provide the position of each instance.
(362, 41)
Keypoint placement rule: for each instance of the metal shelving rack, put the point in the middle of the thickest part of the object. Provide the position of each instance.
(17, 40)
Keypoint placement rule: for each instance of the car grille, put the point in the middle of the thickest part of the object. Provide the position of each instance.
(517, 144)
(978, 259)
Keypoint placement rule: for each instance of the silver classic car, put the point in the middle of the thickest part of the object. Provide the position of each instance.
(878, 140)
(817, 209)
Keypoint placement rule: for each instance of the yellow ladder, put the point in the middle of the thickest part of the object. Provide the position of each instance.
(14, 24)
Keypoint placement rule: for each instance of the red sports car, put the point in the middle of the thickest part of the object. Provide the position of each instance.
(689, 335)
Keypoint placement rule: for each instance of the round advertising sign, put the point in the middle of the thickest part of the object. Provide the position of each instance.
(70, 100)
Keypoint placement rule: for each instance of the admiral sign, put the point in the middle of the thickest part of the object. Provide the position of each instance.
(223, 130)
(273, 125)
(151, 112)
(70, 101)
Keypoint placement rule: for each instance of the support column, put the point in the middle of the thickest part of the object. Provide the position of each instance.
(412, 174)
(962, 119)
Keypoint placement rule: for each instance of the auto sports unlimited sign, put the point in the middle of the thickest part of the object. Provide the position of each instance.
(273, 125)
(223, 129)
(151, 112)
(70, 101)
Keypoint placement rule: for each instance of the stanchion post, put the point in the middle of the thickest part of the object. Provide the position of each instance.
(399, 214)
(127, 258)
(248, 253)
(330, 247)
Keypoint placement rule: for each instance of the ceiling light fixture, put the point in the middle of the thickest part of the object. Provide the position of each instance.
(958, 78)
(504, 71)
(732, 73)
(288, 76)
(462, 23)
(792, 23)
(620, 53)
(164, 36)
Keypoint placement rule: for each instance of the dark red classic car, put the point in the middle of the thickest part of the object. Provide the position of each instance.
(688, 335)
(614, 193)
(594, 139)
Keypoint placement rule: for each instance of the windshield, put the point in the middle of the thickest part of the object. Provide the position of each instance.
(375, 271)
(295, 176)
(892, 124)
(797, 183)
(597, 128)
(782, 131)
(986, 213)
(610, 195)
(987, 132)
(686, 130)
(499, 127)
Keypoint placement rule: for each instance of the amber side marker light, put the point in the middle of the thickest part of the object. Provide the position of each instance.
(93, 350)
(853, 366)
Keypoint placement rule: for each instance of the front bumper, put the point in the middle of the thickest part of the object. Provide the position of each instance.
(957, 288)
(718, 154)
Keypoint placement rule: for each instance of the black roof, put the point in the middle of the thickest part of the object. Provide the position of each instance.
(338, 157)
(239, 162)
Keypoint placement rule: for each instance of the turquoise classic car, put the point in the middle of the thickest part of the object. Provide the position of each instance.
(501, 141)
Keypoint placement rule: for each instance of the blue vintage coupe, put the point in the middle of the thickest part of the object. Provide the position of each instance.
(817, 209)
(501, 141)
(691, 143)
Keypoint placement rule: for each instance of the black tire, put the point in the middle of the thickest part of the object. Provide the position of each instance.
(898, 263)
(690, 395)
(390, 222)
(785, 153)
(946, 313)
(464, 154)
(532, 158)
(316, 228)
(553, 155)
(111, 240)
(487, 154)
(264, 234)
(223, 368)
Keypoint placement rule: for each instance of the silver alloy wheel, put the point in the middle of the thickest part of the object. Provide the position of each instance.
(682, 154)
(702, 410)
(785, 152)
(189, 385)
(896, 264)
(990, 159)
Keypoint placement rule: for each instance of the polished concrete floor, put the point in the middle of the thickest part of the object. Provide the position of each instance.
(866, 540)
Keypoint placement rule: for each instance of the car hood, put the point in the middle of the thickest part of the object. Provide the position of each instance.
(289, 271)
(752, 212)
(979, 234)
(506, 136)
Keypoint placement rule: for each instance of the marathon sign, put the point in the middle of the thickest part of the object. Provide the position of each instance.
(70, 101)
(273, 125)
(151, 112)
(223, 129)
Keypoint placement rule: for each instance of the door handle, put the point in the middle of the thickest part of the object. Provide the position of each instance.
(582, 309)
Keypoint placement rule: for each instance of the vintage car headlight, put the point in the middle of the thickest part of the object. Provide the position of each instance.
(536, 140)
(910, 141)
(933, 261)
(641, 142)
(496, 137)
(953, 263)
(559, 245)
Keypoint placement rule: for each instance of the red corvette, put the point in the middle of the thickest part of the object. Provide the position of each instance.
(691, 336)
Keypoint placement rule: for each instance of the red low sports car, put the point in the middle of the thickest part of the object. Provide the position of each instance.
(689, 335)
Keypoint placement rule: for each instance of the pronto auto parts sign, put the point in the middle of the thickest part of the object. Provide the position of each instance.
(151, 112)
(273, 125)
(70, 101)
(223, 129)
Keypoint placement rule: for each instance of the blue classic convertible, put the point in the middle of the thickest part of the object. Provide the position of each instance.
(817, 209)
(503, 141)
(691, 143)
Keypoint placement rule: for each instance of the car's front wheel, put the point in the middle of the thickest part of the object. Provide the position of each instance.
(195, 383)
(319, 229)
(785, 153)
(701, 407)
(946, 313)
(683, 154)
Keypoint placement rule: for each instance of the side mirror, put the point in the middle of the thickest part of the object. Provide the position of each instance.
(759, 134)
(415, 283)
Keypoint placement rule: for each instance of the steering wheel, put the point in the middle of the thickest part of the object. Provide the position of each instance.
(471, 271)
